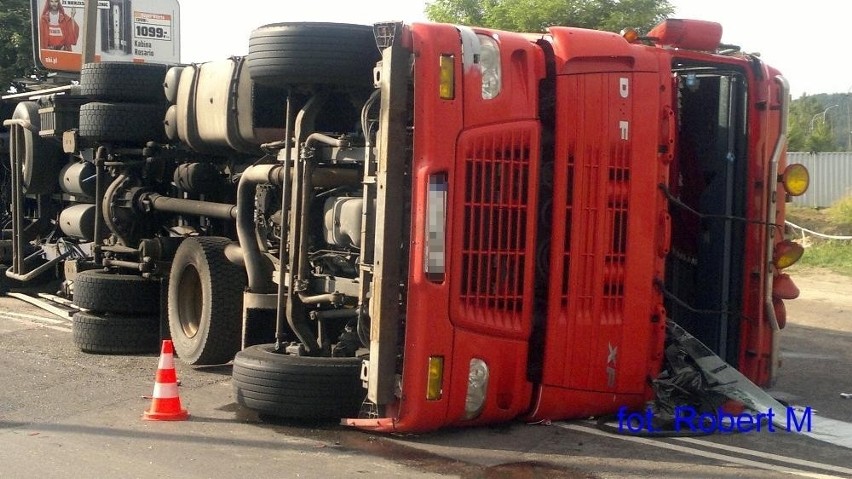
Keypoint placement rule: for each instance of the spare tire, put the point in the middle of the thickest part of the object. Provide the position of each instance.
(312, 53)
(115, 334)
(123, 122)
(123, 82)
(40, 157)
(101, 291)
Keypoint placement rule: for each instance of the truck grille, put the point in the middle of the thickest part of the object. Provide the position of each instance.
(601, 216)
(496, 215)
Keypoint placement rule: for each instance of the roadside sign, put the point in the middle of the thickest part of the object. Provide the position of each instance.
(127, 30)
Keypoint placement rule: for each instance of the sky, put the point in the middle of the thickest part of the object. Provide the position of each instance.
(806, 41)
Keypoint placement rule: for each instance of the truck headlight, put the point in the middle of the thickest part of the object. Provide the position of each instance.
(477, 386)
(489, 62)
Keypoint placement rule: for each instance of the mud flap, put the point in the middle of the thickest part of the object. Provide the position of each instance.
(726, 380)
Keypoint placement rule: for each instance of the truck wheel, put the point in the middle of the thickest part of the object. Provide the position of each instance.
(297, 386)
(40, 158)
(105, 292)
(122, 122)
(115, 334)
(309, 53)
(123, 82)
(205, 302)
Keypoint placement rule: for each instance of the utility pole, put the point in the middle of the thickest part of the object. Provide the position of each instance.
(849, 118)
(90, 29)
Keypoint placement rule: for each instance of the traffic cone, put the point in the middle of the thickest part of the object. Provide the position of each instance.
(165, 402)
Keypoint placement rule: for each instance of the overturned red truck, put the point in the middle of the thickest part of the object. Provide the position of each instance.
(413, 226)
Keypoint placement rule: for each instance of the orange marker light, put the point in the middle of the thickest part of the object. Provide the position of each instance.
(787, 253)
(796, 179)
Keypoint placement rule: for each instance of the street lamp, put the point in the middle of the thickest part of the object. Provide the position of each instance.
(821, 114)
(849, 117)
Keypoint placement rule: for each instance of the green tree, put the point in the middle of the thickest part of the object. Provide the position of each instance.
(798, 122)
(16, 53)
(821, 138)
(537, 15)
(809, 125)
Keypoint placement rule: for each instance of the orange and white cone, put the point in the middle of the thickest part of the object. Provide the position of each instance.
(165, 403)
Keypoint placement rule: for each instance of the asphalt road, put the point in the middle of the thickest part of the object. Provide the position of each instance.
(64, 413)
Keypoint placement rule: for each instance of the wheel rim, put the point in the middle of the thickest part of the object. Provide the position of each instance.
(191, 301)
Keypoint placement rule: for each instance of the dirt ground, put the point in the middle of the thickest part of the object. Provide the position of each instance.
(825, 299)
(823, 220)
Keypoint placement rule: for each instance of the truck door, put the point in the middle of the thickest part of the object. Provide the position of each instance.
(709, 176)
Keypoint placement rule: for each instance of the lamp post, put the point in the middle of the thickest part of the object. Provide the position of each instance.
(849, 118)
(90, 22)
(822, 115)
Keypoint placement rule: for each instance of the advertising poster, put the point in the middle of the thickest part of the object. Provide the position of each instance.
(127, 30)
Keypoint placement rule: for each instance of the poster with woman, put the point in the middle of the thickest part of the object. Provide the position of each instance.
(58, 30)
(126, 30)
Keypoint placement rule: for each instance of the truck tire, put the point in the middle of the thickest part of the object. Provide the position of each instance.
(40, 157)
(289, 386)
(122, 122)
(123, 82)
(205, 302)
(115, 334)
(99, 291)
(312, 53)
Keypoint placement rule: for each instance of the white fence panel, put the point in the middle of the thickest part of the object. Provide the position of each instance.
(831, 177)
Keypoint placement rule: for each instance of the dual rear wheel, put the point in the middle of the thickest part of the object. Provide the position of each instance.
(120, 313)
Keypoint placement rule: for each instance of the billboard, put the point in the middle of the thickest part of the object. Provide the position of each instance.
(127, 30)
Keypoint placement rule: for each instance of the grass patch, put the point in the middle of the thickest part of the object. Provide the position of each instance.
(833, 255)
(841, 213)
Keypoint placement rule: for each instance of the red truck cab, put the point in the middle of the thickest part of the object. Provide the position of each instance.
(571, 193)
